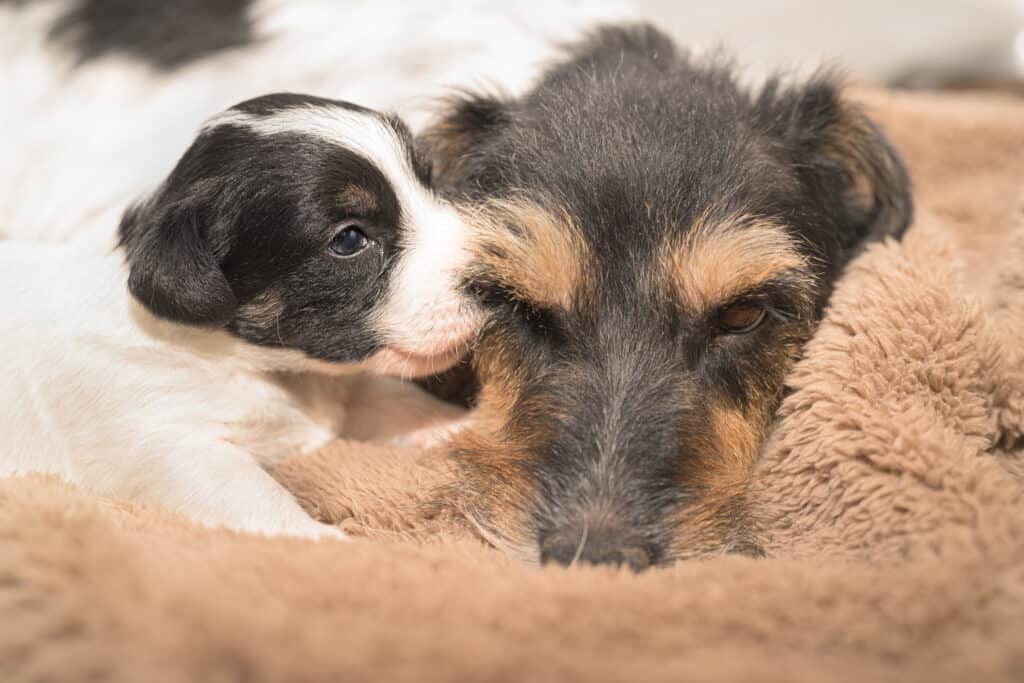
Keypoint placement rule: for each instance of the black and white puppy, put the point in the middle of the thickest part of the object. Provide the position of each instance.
(296, 240)
(105, 94)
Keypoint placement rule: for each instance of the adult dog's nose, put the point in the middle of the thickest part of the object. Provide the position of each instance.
(594, 545)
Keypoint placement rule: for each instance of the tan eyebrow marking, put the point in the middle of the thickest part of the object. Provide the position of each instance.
(357, 198)
(719, 260)
(539, 254)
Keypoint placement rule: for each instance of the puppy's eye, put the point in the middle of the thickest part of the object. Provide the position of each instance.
(349, 242)
(741, 318)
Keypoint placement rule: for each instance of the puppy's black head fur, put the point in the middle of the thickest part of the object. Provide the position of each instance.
(656, 243)
(244, 232)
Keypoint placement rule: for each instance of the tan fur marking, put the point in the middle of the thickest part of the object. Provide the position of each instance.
(495, 488)
(847, 142)
(538, 254)
(716, 524)
(264, 310)
(717, 520)
(737, 440)
(876, 180)
(719, 260)
(449, 143)
(500, 384)
(358, 199)
(495, 453)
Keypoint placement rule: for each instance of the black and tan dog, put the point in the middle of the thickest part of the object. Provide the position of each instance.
(656, 246)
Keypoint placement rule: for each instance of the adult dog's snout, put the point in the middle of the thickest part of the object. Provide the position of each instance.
(600, 545)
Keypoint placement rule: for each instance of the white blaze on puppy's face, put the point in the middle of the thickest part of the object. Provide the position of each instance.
(425, 321)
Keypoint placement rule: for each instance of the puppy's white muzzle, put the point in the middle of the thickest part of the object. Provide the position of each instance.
(428, 320)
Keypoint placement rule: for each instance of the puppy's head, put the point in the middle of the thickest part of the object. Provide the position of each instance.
(306, 224)
(655, 245)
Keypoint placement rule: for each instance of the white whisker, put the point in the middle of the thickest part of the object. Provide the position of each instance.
(583, 542)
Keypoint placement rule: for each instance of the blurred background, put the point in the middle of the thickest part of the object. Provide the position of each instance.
(903, 43)
(103, 95)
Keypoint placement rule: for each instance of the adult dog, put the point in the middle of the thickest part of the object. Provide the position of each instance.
(661, 242)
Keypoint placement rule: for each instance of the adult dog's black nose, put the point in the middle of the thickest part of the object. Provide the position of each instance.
(594, 546)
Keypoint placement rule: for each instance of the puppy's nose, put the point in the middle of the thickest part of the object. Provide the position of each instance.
(594, 546)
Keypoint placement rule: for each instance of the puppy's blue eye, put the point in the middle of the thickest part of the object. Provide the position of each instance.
(349, 242)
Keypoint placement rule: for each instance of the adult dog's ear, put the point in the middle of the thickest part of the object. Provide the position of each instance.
(844, 155)
(173, 270)
(456, 138)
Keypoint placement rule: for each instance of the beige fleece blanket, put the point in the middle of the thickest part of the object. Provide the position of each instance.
(890, 499)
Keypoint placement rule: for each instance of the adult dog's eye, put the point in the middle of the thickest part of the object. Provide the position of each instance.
(741, 318)
(349, 242)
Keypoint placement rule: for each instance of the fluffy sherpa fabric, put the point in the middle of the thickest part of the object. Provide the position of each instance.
(890, 497)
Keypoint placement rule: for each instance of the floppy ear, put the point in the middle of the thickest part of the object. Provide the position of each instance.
(456, 137)
(851, 158)
(173, 270)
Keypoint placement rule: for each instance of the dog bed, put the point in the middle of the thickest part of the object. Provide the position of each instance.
(890, 501)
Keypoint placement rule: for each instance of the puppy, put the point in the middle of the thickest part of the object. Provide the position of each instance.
(295, 253)
(656, 244)
(105, 94)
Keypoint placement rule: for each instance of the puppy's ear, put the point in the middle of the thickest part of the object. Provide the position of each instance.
(173, 270)
(457, 136)
(851, 161)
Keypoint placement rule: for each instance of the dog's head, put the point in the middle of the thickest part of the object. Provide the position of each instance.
(655, 246)
(307, 224)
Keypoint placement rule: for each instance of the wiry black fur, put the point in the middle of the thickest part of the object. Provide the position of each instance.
(238, 235)
(636, 141)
